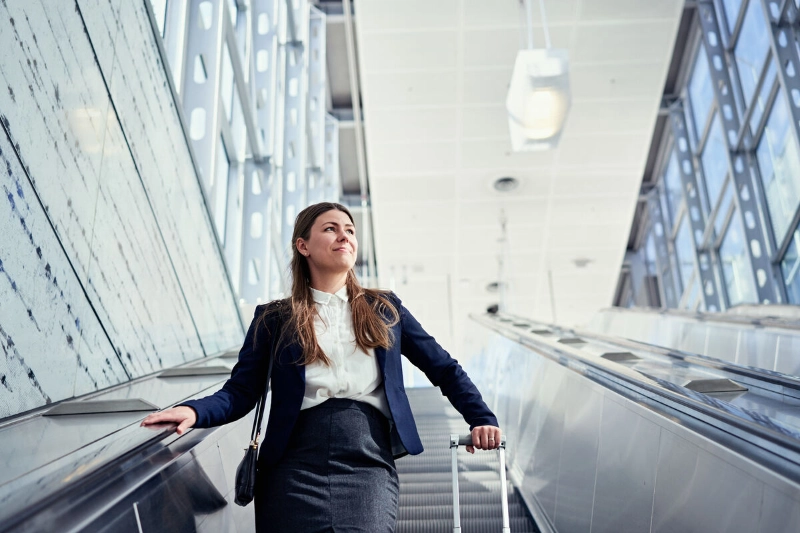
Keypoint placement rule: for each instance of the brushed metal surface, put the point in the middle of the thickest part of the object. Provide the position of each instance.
(697, 491)
(578, 465)
(626, 470)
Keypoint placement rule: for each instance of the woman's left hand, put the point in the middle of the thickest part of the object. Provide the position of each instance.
(485, 438)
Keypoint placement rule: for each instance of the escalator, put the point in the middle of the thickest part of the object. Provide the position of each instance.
(604, 434)
(426, 501)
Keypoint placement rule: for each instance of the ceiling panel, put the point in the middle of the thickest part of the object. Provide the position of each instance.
(616, 80)
(437, 187)
(491, 153)
(606, 149)
(415, 157)
(613, 42)
(488, 48)
(594, 11)
(508, 13)
(432, 124)
(394, 89)
(477, 185)
(517, 212)
(420, 14)
(434, 78)
(410, 50)
(629, 115)
(486, 85)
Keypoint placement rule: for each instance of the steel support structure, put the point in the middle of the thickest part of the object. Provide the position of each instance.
(265, 26)
(317, 89)
(294, 194)
(783, 21)
(254, 278)
(281, 148)
(746, 199)
(201, 84)
(332, 185)
(665, 271)
(694, 209)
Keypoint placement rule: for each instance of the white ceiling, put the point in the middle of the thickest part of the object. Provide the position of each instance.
(434, 76)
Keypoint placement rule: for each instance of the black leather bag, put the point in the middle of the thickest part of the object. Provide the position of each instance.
(247, 469)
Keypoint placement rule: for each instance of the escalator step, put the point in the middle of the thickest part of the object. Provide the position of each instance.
(465, 498)
(480, 525)
(468, 512)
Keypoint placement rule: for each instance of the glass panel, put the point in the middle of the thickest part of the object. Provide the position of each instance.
(650, 255)
(684, 249)
(737, 271)
(160, 12)
(760, 103)
(691, 302)
(673, 188)
(220, 191)
(234, 11)
(725, 204)
(751, 48)
(226, 82)
(732, 8)
(779, 162)
(715, 161)
(701, 92)
(790, 266)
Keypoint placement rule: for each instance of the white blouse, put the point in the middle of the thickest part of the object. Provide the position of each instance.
(353, 373)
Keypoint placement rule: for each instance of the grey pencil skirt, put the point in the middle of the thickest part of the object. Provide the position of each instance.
(337, 474)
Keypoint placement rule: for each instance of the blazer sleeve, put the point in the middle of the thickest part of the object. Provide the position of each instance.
(442, 370)
(248, 380)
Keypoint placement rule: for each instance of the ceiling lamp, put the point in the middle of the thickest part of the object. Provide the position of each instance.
(538, 97)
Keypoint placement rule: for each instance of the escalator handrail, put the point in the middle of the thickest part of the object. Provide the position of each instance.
(754, 427)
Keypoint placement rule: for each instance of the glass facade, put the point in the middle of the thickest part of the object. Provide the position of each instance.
(242, 74)
(736, 272)
(741, 108)
(779, 165)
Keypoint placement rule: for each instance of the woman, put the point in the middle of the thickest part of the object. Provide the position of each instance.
(339, 414)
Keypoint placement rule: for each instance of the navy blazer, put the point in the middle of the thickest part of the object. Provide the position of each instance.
(248, 379)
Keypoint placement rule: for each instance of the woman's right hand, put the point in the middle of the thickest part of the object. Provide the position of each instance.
(182, 415)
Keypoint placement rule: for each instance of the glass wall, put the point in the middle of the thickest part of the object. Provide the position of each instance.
(240, 72)
(741, 110)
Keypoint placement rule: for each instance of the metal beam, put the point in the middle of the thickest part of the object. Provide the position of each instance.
(295, 143)
(746, 199)
(697, 223)
(355, 96)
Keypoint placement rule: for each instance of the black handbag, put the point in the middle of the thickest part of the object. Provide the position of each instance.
(246, 471)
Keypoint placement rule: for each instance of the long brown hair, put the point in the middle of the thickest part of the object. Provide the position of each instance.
(372, 311)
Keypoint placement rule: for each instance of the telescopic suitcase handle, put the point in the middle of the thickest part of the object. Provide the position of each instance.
(466, 440)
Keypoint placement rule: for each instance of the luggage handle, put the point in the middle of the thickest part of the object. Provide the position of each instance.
(466, 440)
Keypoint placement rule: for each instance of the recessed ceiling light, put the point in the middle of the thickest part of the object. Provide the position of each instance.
(581, 262)
(505, 184)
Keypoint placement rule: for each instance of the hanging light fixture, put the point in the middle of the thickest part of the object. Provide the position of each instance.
(538, 97)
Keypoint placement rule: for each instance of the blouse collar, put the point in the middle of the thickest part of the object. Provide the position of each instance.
(324, 298)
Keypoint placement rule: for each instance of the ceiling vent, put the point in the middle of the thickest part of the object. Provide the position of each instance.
(505, 184)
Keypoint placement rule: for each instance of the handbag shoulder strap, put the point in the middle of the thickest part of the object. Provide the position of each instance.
(262, 402)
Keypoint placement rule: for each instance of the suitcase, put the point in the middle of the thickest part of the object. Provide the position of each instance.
(465, 440)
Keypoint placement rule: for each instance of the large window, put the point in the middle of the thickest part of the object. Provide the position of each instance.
(672, 191)
(736, 270)
(751, 48)
(684, 248)
(732, 8)
(779, 163)
(701, 92)
(715, 161)
(790, 266)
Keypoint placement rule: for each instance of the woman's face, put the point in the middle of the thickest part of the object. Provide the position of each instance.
(331, 247)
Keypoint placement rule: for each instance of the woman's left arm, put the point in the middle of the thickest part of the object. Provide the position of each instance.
(444, 372)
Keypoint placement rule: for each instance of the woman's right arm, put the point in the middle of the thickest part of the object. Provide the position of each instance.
(239, 394)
